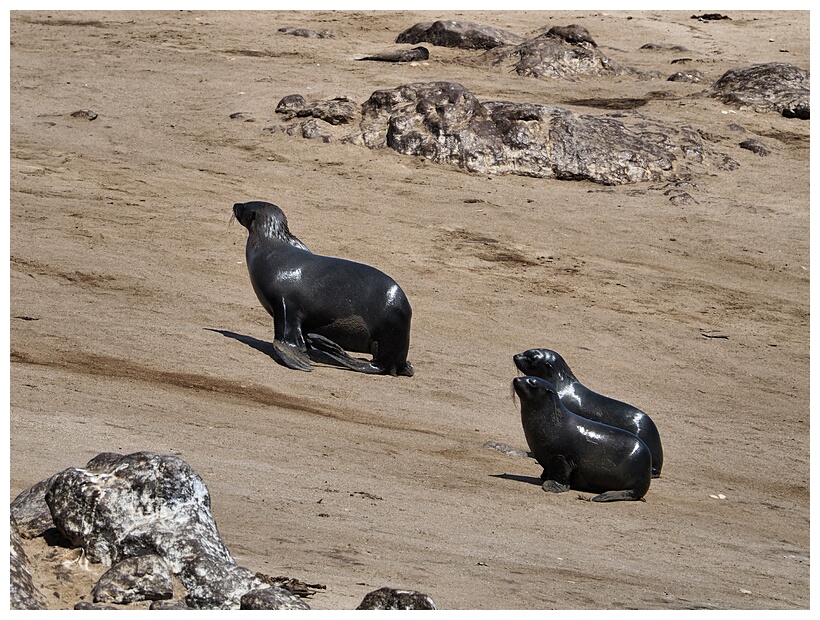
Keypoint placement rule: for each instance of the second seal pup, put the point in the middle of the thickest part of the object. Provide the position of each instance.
(322, 306)
(578, 453)
(579, 399)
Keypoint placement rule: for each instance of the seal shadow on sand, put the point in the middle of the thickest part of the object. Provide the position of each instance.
(527, 479)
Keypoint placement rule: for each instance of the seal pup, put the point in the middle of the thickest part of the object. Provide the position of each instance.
(417, 53)
(550, 366)
(578, 453)
(322, 306)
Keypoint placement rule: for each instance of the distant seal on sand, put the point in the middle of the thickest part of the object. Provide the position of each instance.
(550, 366)
(578, 453)
(417, 53)
(322, 306)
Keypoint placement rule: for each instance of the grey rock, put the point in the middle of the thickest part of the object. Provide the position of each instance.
(30, 511)
(338, 111)
(85, 114)
(691, 76)
(461, 34)
(390, 598)
(271, 598)
(778, 87)
(573, 34)
(86, 606)
(215, 584)
(169, 605)
(23, 593)
(552, 57)
(411, 55)
(755, 146)
(307, 33)
(446, 123)
(121, 507)
(141, 578)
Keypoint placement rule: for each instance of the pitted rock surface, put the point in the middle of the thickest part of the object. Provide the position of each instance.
(338, 111)
(461, 34)
(121, 507)
(551, 56)
(30, 511)
(271, 598)
(390, 598)
(445, 122)
(776, 86)
(23, 593)
(141, 578)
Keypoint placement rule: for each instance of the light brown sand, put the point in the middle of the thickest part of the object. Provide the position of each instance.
(122, 262)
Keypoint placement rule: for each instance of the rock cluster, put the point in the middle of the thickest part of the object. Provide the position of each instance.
(147, 516)
(446, 123)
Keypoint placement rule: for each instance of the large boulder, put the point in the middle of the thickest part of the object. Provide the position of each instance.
(776, 86)
(446, 123)
(561, 52)
(121, 507)
(461, 34)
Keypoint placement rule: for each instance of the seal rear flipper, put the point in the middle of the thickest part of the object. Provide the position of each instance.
(617, 496)
(288, 355)
(324, 350)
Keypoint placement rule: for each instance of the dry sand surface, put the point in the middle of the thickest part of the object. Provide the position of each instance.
(123, 265)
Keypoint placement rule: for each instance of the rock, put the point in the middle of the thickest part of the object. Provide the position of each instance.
(338, 111)
(271, 598)
(86, 606)
(549, 56)
(124, 506)
(309, 34)
(86, 114)
(141, 578)
(461, 34)
(692, 76)
(169, 605)
(412, 55)
(775, 86)
(573, 34)
(23, 593)
(755, 146)
(30, 511)
(389, 598)
(710, 17)
(446, 123)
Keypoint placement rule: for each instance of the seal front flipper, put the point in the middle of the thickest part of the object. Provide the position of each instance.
(324, 350)
(288, 355)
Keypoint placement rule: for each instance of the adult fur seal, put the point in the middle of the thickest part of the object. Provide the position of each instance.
(322, 305)
(550, 366)
(417, 53)
(578, 453)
